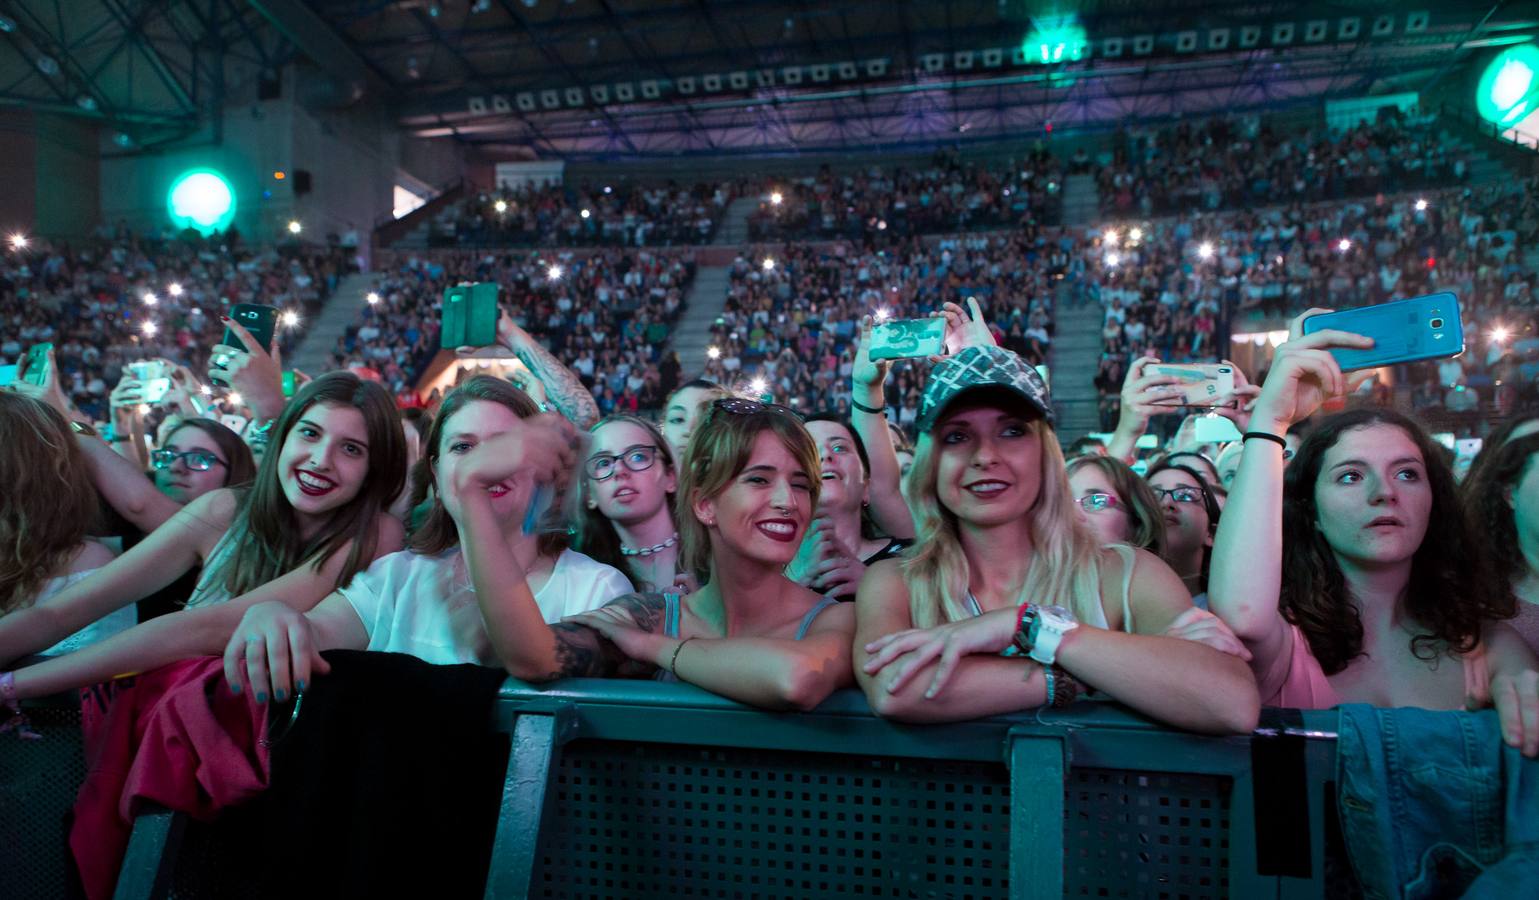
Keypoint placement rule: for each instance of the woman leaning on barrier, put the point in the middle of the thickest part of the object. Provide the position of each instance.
(1356, 578)
(1002, 562)
(747, 490)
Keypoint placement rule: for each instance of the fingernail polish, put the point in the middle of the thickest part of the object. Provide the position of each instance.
(234, 688)
(300, 686)
(261, 696)
(278, 696)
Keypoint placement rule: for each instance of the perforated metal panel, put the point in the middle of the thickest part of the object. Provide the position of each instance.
(657, 820)
(38, 784)
(1146, 834)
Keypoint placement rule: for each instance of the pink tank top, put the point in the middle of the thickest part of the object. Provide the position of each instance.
(1306, 686)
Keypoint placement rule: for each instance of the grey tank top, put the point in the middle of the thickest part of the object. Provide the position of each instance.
(673, 613)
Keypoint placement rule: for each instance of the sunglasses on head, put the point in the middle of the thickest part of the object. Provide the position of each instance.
(742, 406)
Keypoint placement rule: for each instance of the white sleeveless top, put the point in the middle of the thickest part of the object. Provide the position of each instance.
(103, 628)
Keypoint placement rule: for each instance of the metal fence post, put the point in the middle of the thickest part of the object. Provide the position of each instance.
(539, 730)
(151, 858)
(1038, 760)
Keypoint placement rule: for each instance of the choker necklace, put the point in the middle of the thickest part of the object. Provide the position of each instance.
(648, 551)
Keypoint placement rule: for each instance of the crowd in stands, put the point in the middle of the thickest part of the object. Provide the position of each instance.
(609, 215)
(896, 201)
(1248, 161)
(1166, 285)
(119, 298)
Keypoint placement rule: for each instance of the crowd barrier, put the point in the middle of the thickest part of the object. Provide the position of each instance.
(640, 789)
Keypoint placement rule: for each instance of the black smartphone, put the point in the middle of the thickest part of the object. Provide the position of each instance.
(37, 364)
(258, 319)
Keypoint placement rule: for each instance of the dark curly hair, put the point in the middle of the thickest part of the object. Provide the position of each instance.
(1488, 496)
(1450, 592)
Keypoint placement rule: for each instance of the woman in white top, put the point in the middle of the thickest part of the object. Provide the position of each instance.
(46, 509)
(314, 516)
(442, 600)
(997, 537)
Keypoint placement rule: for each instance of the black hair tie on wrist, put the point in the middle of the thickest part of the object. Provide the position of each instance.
(1265, 436)
(875, 411)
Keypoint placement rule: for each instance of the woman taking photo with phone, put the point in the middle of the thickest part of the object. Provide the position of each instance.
(1002, 559)
(1355, 578)
(310, 521)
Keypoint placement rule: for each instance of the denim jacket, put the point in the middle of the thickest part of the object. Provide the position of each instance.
(1435, 804)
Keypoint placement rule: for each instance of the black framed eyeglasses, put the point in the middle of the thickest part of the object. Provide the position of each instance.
(1178, 494)
(196, 460)
(600, 466)
(1097, 501)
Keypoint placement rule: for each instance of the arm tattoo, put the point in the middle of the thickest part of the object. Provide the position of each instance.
(645, 609)
(582, 653)
(565, 389)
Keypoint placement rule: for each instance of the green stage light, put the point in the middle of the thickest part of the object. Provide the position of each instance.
(1054, 39)
(201, 199)
(1509, 88)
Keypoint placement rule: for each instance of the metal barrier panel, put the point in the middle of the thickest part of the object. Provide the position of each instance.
(38, 784)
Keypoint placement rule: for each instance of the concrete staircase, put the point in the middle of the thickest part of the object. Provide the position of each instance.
(322, 332)
(1075, 358)
(1081, 200)
(707, 298)
(734, 224)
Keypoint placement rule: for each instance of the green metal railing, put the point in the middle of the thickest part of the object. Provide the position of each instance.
(640, 789)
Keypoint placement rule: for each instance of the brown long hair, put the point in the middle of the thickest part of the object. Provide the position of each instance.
(1450, 592)
(1488, 498)
(1136, 495)
(265, 532)
(595, 534)
(47, 504)
(438, 532)
(718, 452)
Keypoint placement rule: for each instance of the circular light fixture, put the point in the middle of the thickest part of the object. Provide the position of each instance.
(201, 199)
(1509, 87)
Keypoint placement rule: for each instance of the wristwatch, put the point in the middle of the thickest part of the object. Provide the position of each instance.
(1040, 629)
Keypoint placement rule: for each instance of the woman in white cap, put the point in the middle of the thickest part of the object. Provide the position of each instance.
(1006, 601)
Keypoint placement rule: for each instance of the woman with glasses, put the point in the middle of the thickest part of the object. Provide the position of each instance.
(628, 484)
(746, 493)
(1191, 516)
(1003, 561)
(46, 512)
(313, 517)
(1116, 504)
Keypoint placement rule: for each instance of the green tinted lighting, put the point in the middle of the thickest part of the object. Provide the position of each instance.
(201, 199)
(1510, 86)
(1054, 39)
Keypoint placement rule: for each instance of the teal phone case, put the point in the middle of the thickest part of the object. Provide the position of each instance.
(469, 316)
(1403, 331)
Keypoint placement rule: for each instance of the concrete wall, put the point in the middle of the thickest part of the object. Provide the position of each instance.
(48, 174)
(18, 171)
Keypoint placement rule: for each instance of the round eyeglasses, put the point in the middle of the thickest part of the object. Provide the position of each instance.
(600, 466)
(1097, 501)
(196, 460)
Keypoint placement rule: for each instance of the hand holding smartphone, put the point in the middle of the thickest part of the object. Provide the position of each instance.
(259, 321)
(908, 338)
(469, 316)
(1203, 386)
(1413, 330)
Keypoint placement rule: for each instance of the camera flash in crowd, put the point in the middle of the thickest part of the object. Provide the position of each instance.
(144, 409)
(373, 298)
(233, 397)
(882, 314)
(174, 290)
(775, 198)
(1136, 235)
(713, 352)
(205, 390)
(1111, 237)
(1499, 334)
(295, 227)
(1112, 259)
(501, 206)
(757, 386)
(1344, 245)
(586, 213)
(18, 241)
(1205, 250)
(149, 299)
(769, 265)
(148, 328)
(1421, 205)
(553, 273)
(290, 318)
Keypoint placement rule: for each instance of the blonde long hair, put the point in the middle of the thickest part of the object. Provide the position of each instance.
(1065, 567)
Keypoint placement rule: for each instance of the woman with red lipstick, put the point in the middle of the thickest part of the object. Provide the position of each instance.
(478, 556)
(313, 518)
(1356, 578)
(1002, 561)
(628, 484)
(749, 633)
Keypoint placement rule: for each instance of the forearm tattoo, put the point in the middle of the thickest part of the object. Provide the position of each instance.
(582, 652)
(562, 385)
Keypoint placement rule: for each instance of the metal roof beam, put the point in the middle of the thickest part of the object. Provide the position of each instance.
(314, 38)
